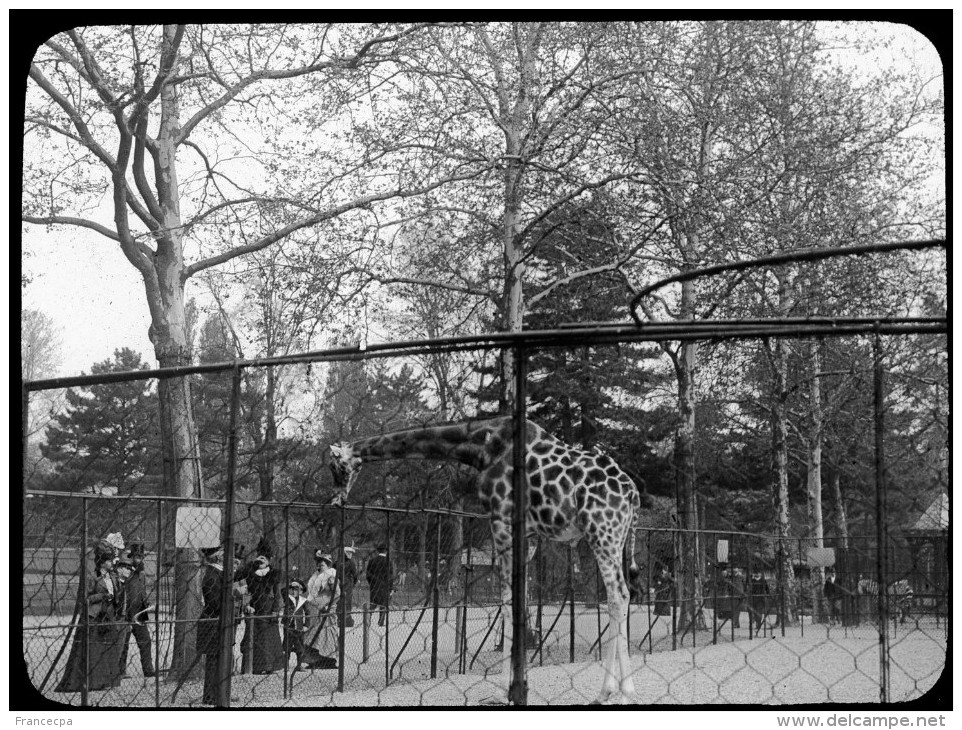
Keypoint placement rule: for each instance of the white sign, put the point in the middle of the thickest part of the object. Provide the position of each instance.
(197, 527)
(723, 551)
(821, 557)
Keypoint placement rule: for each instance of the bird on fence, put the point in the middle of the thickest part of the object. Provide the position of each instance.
(572, 493)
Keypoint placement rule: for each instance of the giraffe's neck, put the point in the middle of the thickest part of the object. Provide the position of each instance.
(475, 443)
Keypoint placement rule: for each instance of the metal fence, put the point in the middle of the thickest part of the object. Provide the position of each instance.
(437, 639)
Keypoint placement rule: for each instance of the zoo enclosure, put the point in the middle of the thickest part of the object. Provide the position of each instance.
(522, 344)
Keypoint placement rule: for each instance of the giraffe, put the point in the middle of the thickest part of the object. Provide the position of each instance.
(572, 494)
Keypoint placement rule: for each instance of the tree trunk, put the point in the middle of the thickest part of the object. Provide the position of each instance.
(780, 502)
(815, 475)
(688, 588)
(169, 334)
(841, 522)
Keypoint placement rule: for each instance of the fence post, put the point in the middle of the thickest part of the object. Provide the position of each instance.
(287, 581)
(881, 505)
(157, 563)
(518, 687)
(714, 597)
(435, 595)
(598, 607)
(540, 617)
(387, 608)
(648, 599)
(365, 628)
(84, 616)
(463, 645)
(571, 615)
(342, 617)
(225, 654)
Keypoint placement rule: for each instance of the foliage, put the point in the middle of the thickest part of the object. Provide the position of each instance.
(107, 436)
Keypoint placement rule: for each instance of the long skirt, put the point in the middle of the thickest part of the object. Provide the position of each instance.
(103, 658)
(267, 653)
(322, 635)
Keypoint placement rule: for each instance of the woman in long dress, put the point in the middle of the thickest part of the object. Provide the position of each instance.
(97, 643)
(322, 594)
(263, 586)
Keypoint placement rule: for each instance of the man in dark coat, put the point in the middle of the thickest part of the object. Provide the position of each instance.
(759, 597)
(135, 590)
(208, 634)
(348, 574)
(379, 578)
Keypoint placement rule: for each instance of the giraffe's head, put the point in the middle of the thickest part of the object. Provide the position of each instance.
(345, 466)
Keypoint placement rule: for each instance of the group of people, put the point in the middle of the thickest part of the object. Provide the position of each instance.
(115, 607)
(308, 610)
(114, 603)
(732, 595)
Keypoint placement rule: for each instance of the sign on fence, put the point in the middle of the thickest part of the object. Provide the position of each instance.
(197, 527)
(821, 557)
(722, 554)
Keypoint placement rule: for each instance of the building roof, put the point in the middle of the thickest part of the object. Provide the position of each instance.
(936, 517)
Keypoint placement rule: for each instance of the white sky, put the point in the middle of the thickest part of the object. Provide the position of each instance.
(83, 282)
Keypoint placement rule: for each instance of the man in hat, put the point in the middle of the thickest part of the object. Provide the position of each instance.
(379, 578)
(136, 609)
(208, 634)
(348, 573)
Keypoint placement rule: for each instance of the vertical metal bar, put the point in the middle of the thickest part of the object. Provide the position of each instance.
(571, 616)
(735, 602)
(648, 597)
(463, 645)
(387, 608)
(540, 618)
(598, 607)
(518, 688)
(435, 595)
(287, 580)
(749, 584)
(342, 614)
(158, 562)
(225, 654)
(801, 614)
(781, 583)
(675, 538)
(714, 595)
(881, 507)
(84, 606)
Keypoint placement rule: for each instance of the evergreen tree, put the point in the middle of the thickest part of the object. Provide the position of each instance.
(107, 438)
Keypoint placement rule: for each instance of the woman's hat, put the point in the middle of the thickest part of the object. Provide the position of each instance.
(262, 560)
(321, 555)
(298, 581)
(350, 549)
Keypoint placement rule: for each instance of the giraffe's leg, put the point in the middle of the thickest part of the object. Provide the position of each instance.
(616, 663)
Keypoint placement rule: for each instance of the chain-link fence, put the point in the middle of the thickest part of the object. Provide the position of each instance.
(256, 587)
(442, 611)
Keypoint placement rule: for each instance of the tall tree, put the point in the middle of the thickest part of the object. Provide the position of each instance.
(107, 436)
(162, 122)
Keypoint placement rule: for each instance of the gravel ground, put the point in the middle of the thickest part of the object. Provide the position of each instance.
(826, 665)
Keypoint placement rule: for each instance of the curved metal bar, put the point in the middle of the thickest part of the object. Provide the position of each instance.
(783, 258)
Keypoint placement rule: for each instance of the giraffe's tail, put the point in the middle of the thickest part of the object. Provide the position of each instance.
(640, 500)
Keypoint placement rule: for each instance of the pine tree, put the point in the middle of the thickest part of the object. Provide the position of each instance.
(107, 438)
